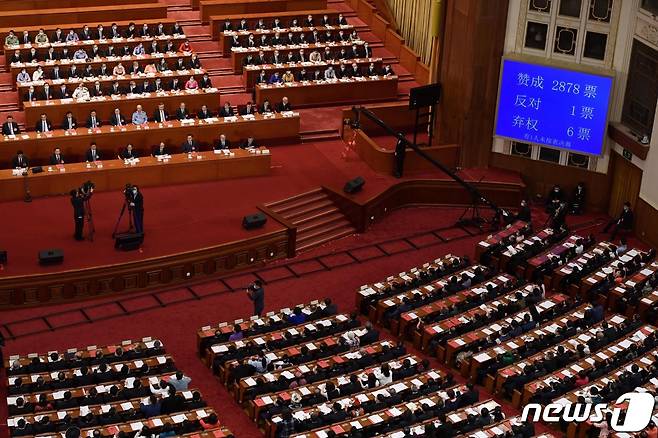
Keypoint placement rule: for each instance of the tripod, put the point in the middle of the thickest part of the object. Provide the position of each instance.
(91, 228)
(131, 226)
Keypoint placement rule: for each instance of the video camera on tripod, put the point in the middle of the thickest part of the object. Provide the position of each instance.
(86, 190)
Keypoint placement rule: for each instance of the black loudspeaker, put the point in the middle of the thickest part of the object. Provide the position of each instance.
(51, 256)
(354, 185)
(128, 241)
(37, 169)
(3, 257)
(424, 96)
(253, 221)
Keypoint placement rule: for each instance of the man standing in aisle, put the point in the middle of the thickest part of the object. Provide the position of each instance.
(256, 293)
(78, 213)
(137, 204)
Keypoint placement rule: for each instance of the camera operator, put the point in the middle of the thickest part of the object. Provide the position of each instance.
(136, 204)
(87, 190)
(78, 213)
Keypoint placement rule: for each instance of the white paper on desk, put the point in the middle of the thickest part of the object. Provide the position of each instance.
(136, 426)
(157, 422)
(201, 413)
(178, 418)
(375, 419)
(250, 381)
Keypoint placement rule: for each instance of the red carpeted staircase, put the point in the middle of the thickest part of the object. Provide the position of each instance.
(317, 218)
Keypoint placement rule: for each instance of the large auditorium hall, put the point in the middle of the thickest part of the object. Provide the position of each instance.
(329, 218)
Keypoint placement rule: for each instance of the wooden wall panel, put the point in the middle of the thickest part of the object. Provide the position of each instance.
(540, 176)
(646, 218)
(393, 42)
(409, 59)
(422, 74)
(626, 179)
(365, 11)
(379, 26)
(473, 40)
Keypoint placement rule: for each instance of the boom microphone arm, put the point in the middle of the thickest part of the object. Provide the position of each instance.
(475, 193)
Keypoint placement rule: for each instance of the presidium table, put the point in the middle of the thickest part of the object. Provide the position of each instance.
(266, 129)
(335, 91)
(146, 171)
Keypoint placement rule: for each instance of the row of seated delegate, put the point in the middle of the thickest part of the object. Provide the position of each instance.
(115, 85)
(116, 390)
(106, 66)
(101, 32)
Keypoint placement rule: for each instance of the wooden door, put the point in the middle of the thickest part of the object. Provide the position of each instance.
(626, 180)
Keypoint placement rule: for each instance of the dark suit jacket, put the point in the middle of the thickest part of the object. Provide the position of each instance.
(202, 115)
(182, 114)
(114, 120)
(126, 155)
(157, 118)
(24, 162)
(156, 151)
(5, 128)
(98, 122)
(37, 126)
(243, 110)
(89, 157)
(254, 144)
(54, 160)
(194, 147)
(281, 107)
(65, 123)
(224, 113)
(227, 145)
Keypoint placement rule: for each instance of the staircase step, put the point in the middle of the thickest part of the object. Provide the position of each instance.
(310, 208)
(315, 215)
(334, 220)
(292, 198)
(322, 231)
(325, 239)
(302, 202)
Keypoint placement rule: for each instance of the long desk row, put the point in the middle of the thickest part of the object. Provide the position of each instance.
(223, 7)
(251, 73)
(56, 109)
(24, 50)
(149, 171)
(32, 17)
(171, 59)
(122, 27)
(106, 82)
(218, 23)
(273, 129)
(239, 54)
(338, 91)
(227, 40)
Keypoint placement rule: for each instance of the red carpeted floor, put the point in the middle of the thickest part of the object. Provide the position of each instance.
(404, 239)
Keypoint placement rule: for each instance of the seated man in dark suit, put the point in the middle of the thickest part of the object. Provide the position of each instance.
(249, 143)
(92, 153)
(226, 110)
(56, 157)
(93, 121)
(117, 119)
(69, 121)
(20, 161)
(43, 125)
(160, 150)
(161, 115)
(31, 95)
(182, 113)
(128, 153)
(249, 108)
(222, 143)
(10, 127)
(284, 105)
(204, 113)
(190, 145)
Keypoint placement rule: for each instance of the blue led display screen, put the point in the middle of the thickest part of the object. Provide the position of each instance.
(553, 106)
